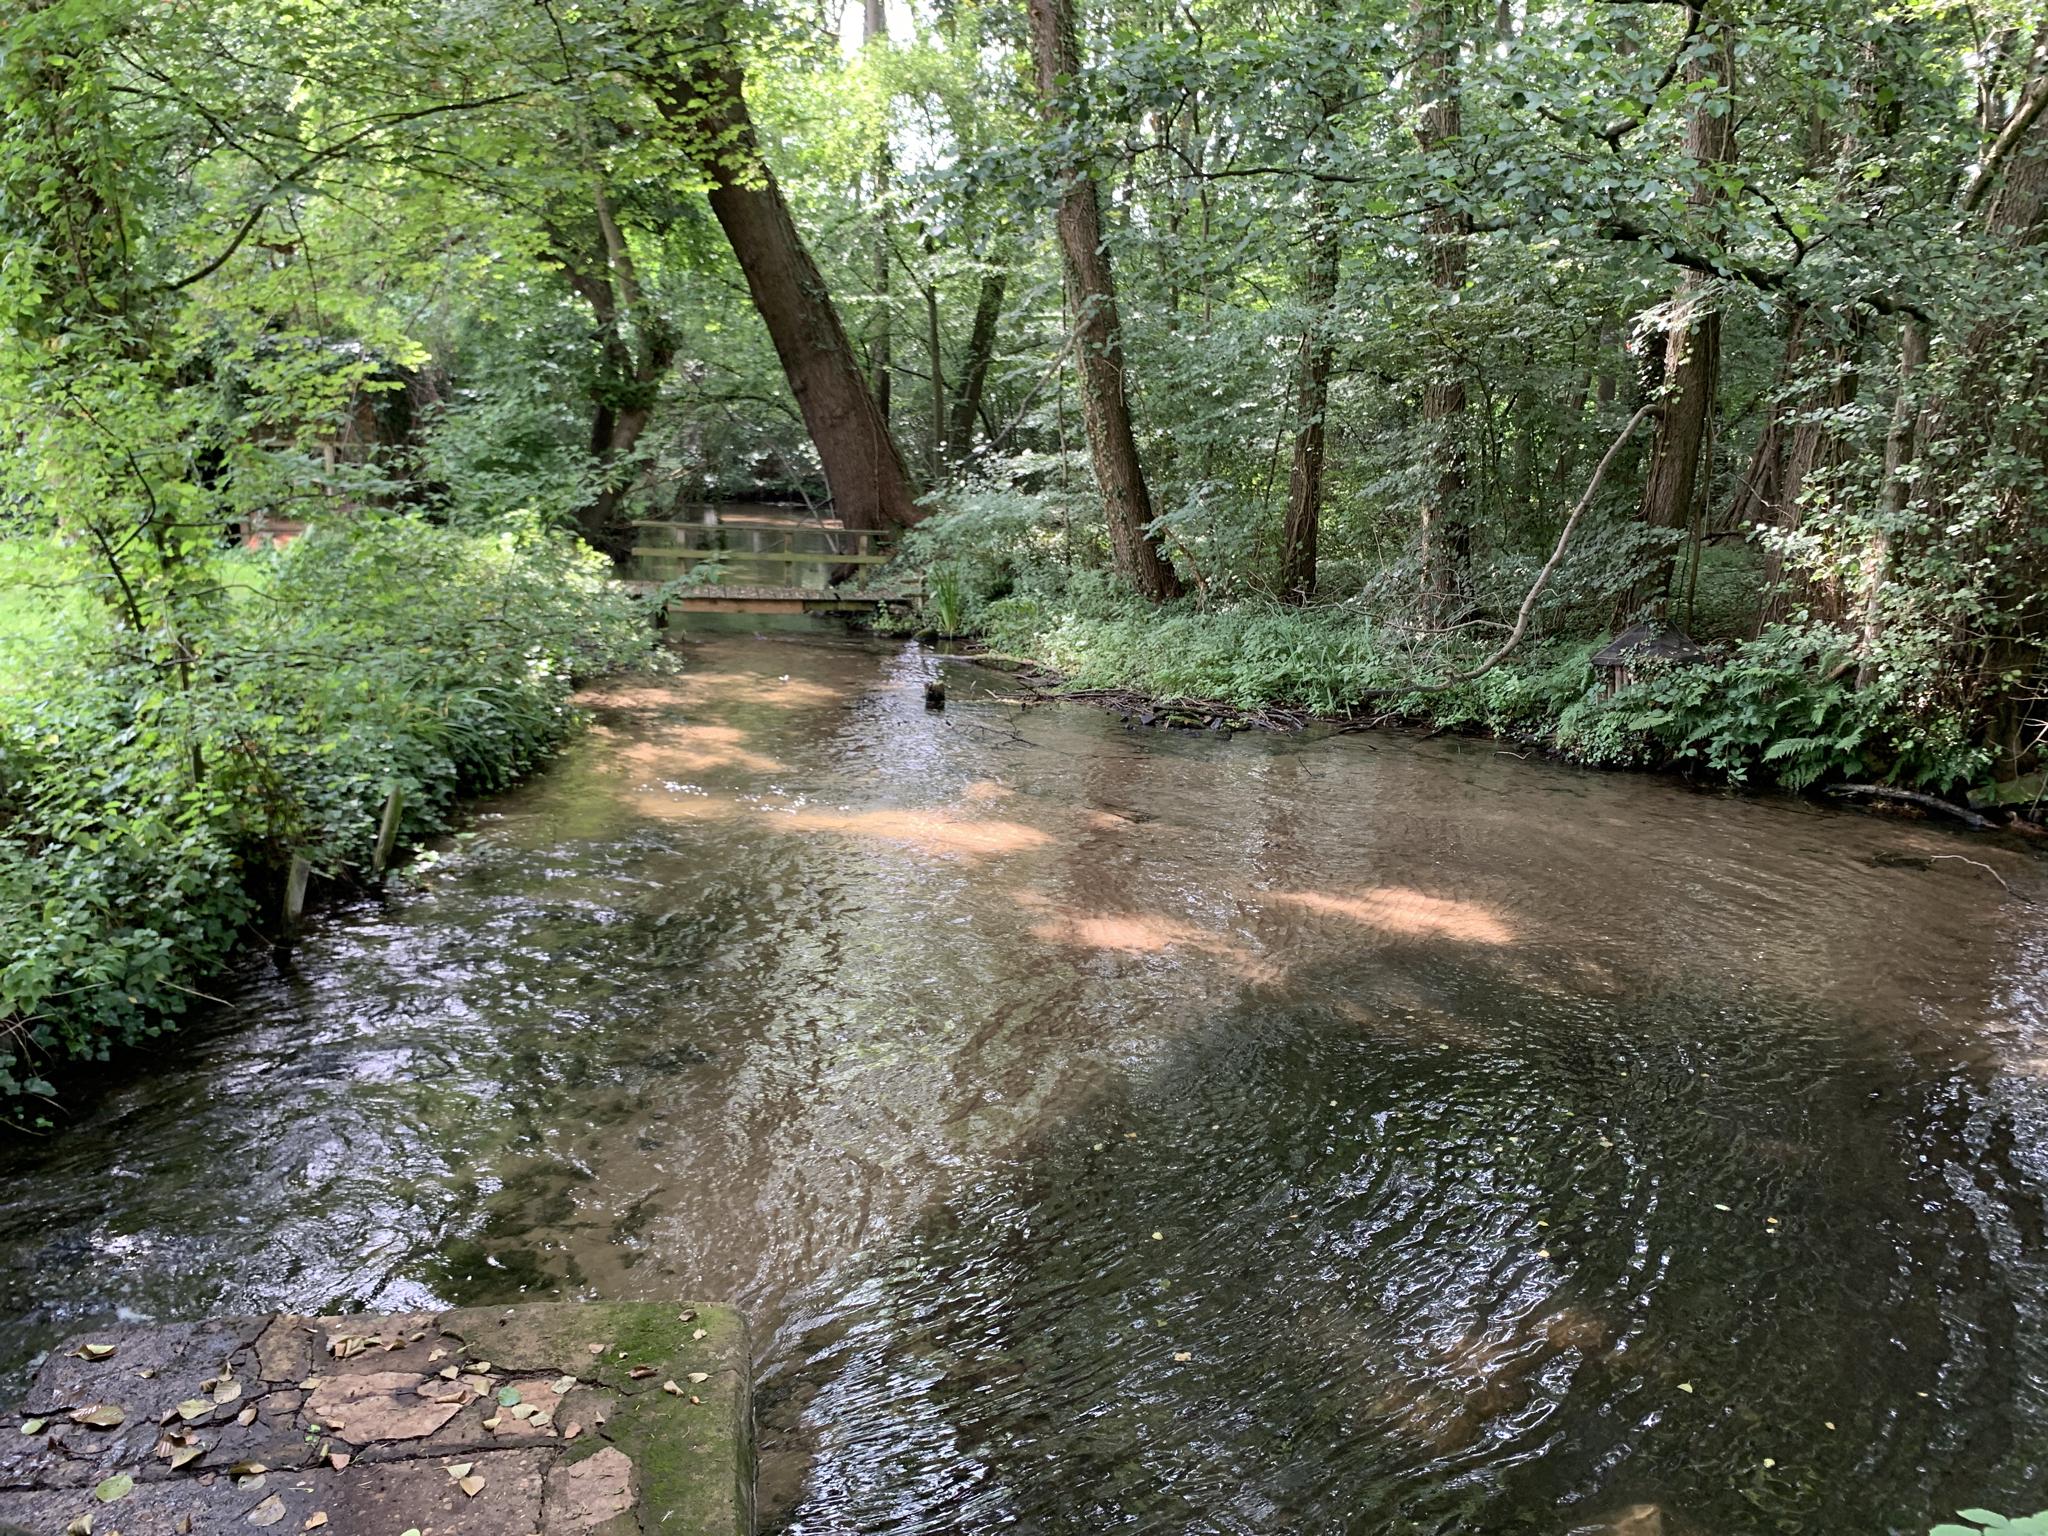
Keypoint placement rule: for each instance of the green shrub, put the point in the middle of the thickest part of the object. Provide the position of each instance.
(1782, 708)
(143, 808)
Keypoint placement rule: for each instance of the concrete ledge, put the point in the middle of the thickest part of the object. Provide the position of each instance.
(596, 1419)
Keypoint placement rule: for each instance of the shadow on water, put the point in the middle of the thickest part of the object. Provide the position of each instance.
(1116, 1130)
(1339, 1268)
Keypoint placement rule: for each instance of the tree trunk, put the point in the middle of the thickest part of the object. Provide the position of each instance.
(1756, 494)
(653, 352)
(1692, 333)
(1899, 447)
(875, 30)
(2009, 662)
(933, 346)
(870, 487)
(627, 383)
(981, 347)
(1311, 405)
(1799, 438)
(1091, 289)
(1446, 533)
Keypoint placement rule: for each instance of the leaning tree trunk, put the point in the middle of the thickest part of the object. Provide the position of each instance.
(870, 487)
(1091, 289)
(1446, 533)
(1692, 334)
(1300, 534)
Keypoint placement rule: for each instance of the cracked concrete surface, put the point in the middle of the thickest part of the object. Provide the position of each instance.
(594, 1419)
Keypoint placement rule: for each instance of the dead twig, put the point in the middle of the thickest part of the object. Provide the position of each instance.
(1994, 874)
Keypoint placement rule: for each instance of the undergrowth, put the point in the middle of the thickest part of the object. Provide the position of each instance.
(146, 809)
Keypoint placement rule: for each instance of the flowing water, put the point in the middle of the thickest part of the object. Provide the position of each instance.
(1110, 1129)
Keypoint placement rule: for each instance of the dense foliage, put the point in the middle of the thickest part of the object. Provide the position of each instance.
(147, 813)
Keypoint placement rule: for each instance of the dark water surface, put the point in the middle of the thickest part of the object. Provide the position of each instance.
(1110, 1130)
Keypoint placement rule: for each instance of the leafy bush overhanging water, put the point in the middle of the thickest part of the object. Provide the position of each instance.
(147, 809)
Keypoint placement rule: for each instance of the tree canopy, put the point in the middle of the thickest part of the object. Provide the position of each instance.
(1288, 303)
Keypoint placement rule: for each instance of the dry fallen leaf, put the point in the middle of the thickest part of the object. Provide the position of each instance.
(671, 1389)
(564, 1384)
(186, 1453)
(460, 1470)
(315, 1520)
(698, 1376)
(269, 1512)
(246, 1417)
(92, 1351)
(576, 1429)
(339, 1460)
(596, 1349)
(471, 1486)
(696, 1333)
(1685, 1386)
(227, 1392)
(1183, 1354)
(194, 1408)
(641, 1372)
(82, 1526)
(101, 1416)
(492, 1423)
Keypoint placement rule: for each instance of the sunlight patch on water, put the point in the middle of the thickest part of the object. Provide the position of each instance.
(1402, 912)
(749, 687)
(685, 749)
(941, 832)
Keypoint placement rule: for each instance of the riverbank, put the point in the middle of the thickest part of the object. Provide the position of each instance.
(158, 784)
(1773, 712)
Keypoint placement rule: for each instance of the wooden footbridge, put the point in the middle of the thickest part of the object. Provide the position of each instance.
(765, 563)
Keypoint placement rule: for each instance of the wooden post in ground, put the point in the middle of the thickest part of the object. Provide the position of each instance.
(387, 829)
(295, 879)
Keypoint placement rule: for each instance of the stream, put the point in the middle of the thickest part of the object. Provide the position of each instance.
(1111, 1129)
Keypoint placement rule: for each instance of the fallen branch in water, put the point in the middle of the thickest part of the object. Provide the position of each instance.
(1967, 817)
(1994, 874)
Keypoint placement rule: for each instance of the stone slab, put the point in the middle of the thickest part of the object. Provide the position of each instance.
(570, 1419)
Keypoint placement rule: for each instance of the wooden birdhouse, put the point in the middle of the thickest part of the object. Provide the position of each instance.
(1620, 661)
